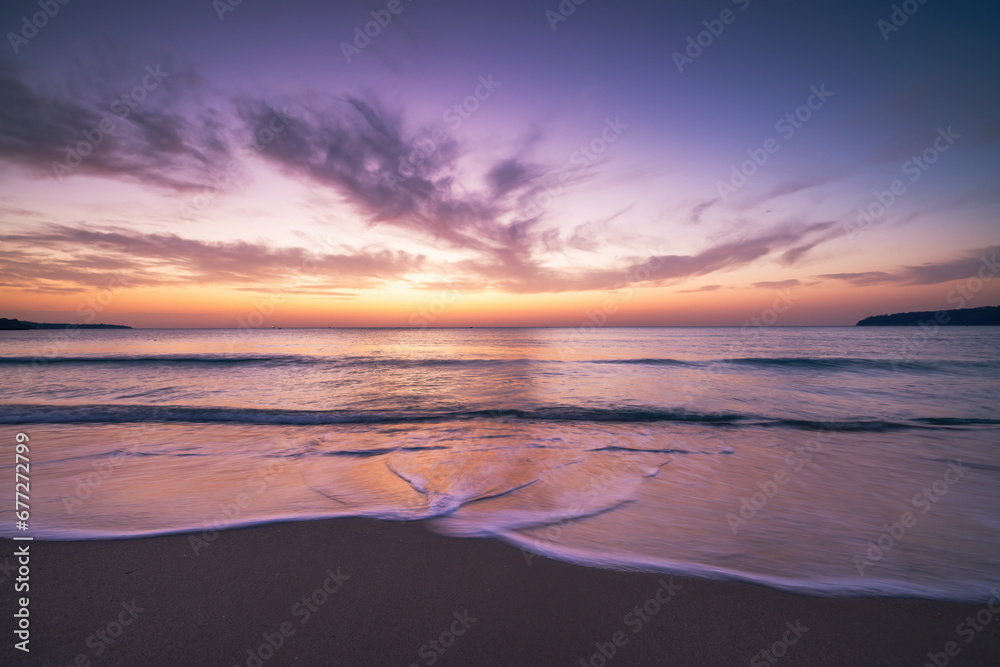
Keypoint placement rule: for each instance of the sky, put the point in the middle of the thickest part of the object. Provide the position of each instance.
(536, 163)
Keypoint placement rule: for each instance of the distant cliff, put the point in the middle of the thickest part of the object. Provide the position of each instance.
(984, 316)
(6, 324)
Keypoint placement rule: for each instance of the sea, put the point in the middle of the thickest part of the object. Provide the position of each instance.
(832, 461)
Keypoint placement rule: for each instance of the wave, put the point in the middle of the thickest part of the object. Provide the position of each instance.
(124, 414)
(649, 362)
(955, 421)
(814, 363)
(258, 360)
(860, 364)
(42, 360)
(815, 584)
(377, 361)
(65, 414)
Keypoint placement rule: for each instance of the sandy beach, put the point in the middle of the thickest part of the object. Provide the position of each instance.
(364, 592)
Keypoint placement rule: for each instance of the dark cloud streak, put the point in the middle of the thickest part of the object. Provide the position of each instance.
(149, 143)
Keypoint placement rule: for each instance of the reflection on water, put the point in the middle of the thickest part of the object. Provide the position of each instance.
(648, 496)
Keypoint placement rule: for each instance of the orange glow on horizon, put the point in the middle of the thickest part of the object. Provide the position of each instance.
(182, 307)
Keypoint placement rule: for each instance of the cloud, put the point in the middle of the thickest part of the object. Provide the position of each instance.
(778, 284)
(361, 150)
(697, 210)
(590, 236)
(59, 257)
(411, 179)
(793, 256)
(959, 268)
(395, 175)
(798, 184)
(863, 279)
(703, 288)
(739, 252)
(509, 175)
(962, 267)
(651, 270)
(149, 143)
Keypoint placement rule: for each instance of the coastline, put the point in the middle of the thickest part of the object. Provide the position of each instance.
(361, 591)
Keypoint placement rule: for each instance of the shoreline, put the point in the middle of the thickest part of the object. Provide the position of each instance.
(362, 591)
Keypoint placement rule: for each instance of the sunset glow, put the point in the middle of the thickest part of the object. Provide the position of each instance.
(461, 168)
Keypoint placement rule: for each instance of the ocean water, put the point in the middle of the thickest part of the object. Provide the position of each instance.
(830, 460)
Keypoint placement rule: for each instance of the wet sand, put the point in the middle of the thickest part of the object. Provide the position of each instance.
(364, 592)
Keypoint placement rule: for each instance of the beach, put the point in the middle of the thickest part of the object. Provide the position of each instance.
(379, 592)
(503, 497)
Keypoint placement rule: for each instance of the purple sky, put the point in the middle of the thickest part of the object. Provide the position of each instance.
(690, 161)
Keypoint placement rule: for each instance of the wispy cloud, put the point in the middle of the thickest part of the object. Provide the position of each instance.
(703, 288)
(778, 284)
(652, 270)
(862, 279)
(61, 257)
(739, 252)
(698, 209)
(149, 143)
(966, 266)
